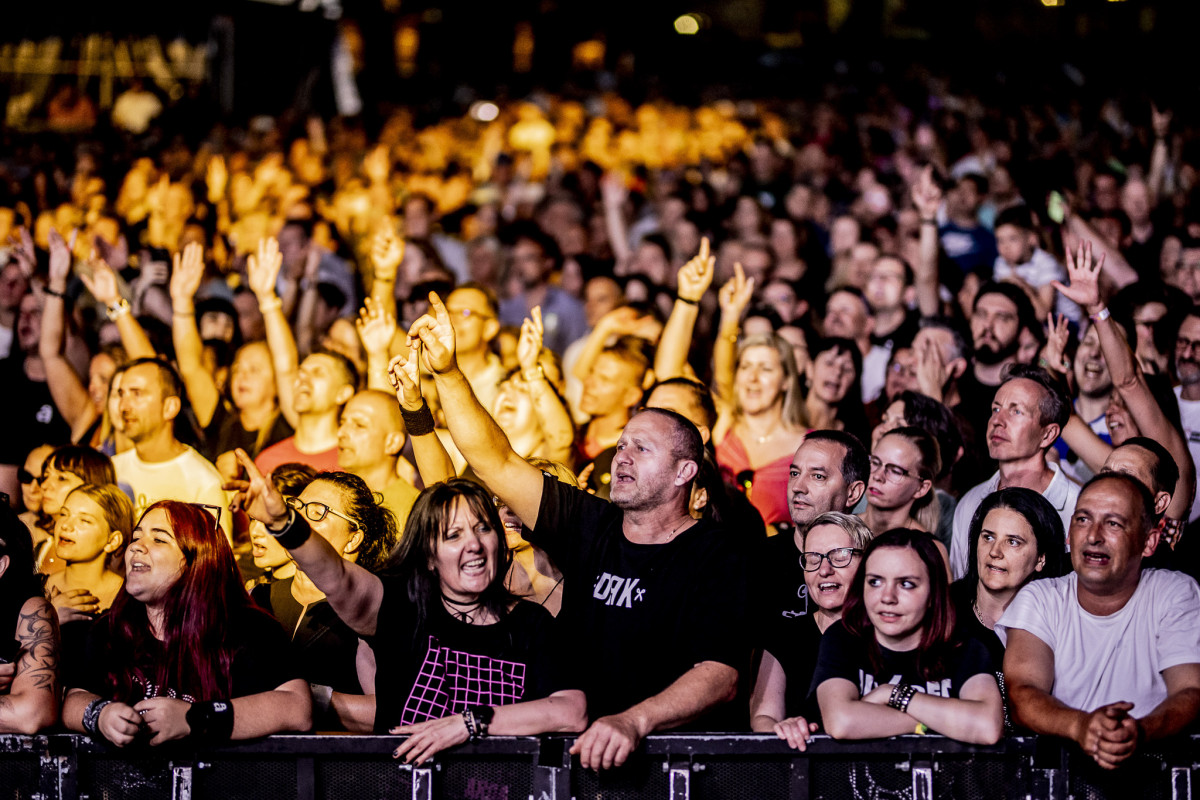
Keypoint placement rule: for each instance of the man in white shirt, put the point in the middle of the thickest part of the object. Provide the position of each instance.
(1109, 655)
(1187, 369)
(1028, 414)
(160, 467)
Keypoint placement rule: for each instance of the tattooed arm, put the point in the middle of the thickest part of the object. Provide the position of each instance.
(31, 704)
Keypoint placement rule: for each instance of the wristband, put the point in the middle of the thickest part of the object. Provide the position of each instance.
(54, 293)
(294, 533)
(902, 695)
(419, 422)
(683, 299)
(930, 221)
(91, 717)
(118, 309)
(1100, 315)
(269, 305)
(322, 697)
(211, 721)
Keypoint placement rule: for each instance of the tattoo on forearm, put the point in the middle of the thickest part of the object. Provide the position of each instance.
(37, 632)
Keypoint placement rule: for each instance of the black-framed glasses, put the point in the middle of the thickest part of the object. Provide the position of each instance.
(841, 557)
(893, 473)
(25, 477)
(316, 512)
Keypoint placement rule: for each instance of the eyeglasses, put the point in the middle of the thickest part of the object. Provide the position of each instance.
(467, 313)
(214, 510)
(26, 477)
(841, 557)
(893, 473)
(316, 511)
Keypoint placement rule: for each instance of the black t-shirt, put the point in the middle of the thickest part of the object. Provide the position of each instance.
(843, 655)
(903, 335)
(797, 654)
(975, 404)
(262, 661)
(781, 594)
(642, 615)
(968, 626)
(30, 416)
(325, 646)
(225, 432)
(449, 665)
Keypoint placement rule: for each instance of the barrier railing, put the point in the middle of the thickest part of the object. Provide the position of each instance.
(670, 767)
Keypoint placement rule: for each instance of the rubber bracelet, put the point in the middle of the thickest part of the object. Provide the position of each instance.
(55, 293)
(294, 534)
(91, 716)
(419, 422)
(685, 300)
(211, 721)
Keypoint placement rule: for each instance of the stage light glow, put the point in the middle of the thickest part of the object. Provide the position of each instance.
(484, 111)
(687, 25)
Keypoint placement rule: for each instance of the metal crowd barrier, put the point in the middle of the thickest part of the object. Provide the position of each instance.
(668, 767)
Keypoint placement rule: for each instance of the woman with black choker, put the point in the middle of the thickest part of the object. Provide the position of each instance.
(462, 656)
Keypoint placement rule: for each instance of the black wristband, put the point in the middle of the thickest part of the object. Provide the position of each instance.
(211, 721)
(294, 534)
(683, 299)
(54, 293)
(91, 717)
(419, 422)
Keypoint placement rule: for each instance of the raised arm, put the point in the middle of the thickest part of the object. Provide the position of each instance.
(558, 431)
(104, 287)
(353, 593)
(613, 194)
(262, 270)
(306, 308)
(475, 433)
(32, 703)
(376, 328)
(1087, 445)
(433, 462)
(1128, 379)
(610, 740)
(189, 350)
(1156, 178)
(387, 252)
(927, 197)
(734, 297)
(1118, 269)
(66, 388)
(670, 359)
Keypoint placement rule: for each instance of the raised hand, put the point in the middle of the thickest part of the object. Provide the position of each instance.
(216, 177)
(377, 164)
(256, 495)
(735, 294)
(926, 194)
(436, 335)
(376, 327)
(102, 284)
(60, 259)
(1057, 334)
(1160, 121)
(931, 371)
(23, 252)
(262, 270)
(387, 251)
(529, 346)
(115, 255)
(187, 273)
(405, 375)
(1084, 276)
(696, 275)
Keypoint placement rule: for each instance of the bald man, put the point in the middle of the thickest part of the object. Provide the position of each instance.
(370, 438)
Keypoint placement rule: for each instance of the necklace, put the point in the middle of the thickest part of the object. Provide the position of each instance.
(767, 437)
(462, 610)
(671, 535)
(979, 614)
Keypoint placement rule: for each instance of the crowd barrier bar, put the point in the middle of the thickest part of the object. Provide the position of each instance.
(666, 767)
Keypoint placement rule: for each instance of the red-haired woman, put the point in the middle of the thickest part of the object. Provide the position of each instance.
(893, 664)
(184, 652)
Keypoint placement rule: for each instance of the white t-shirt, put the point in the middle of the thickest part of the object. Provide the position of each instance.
(1102, 660)
(188, 477)
(1062, 494)
(1189, 414)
